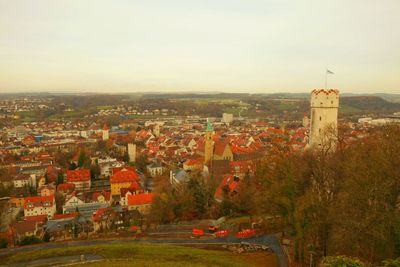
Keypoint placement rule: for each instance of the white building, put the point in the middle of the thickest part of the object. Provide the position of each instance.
(39, 205)
(324, 115)
(22, 180)
(227, 118)
(155, 169)
(105, 133)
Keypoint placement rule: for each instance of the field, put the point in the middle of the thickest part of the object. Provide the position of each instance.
(148, 255)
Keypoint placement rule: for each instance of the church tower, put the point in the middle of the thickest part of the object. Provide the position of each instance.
(324, 115)
(209, 144)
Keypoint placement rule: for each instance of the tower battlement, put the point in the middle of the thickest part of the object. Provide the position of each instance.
(325, 98)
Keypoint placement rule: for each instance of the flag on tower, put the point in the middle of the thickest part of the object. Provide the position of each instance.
(329, 72)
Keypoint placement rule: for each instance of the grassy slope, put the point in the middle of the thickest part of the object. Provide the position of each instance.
(149, 255)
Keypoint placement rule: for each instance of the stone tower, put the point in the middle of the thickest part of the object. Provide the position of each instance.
(324, 115)
(132, 152)
(106, 132)
(209, 143)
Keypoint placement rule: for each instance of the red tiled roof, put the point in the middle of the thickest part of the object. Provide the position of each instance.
(140, 199)
(229, 181)
(219, 147)
(117, 169)
(124, 176)
(192, 162)
(80, 175)
(38, 201)
(99, 214)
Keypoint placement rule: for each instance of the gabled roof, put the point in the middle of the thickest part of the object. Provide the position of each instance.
(228, 180)
(23, 227)
(80, 175)
(66, 187)
(219, 147)
(124, 175)
(102, 213)
(38, 201)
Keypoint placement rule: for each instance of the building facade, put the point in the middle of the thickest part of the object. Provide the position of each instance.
(324, 116)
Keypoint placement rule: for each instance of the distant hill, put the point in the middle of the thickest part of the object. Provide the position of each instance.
(368, 104)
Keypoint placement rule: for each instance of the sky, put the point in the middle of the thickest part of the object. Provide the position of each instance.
(254, 46)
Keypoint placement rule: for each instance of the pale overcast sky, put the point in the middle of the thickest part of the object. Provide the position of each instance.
(206, 45)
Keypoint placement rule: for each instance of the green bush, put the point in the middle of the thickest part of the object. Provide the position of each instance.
(3, 243)
(341, 261)
(29, 240)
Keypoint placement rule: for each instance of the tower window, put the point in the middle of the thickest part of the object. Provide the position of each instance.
(320, 118)
(332, 102)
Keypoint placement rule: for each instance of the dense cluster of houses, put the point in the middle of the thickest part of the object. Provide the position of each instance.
(49, 199)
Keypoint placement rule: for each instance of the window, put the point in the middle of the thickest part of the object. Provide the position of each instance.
(320, 118)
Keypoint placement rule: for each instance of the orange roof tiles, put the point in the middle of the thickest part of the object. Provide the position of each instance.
(80, 175)
(124, 175)
(38, 201)
(140, 199)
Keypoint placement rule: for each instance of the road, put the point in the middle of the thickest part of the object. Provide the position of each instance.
(268, 240)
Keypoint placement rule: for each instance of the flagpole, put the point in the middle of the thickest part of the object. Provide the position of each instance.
(326, 79)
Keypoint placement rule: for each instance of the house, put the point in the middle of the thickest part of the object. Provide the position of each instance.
(140, 202)
(16, 202)
(46, 190)
(24, 228)
(103, 219)
(39, 219)
(28, 140)
(71, 202)
(125, 192)
(39, 205)
(155, 169)
(228, 185)
(22, 180)
(123, 179)
(101, 197)
(192, 164)
(80, 178)
(66, 188)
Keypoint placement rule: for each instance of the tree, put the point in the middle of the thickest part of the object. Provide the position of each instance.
(60, 178)
(82, 159)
